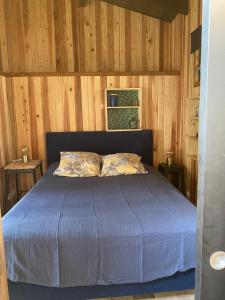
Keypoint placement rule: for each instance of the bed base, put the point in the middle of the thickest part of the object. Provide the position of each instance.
(177, 282)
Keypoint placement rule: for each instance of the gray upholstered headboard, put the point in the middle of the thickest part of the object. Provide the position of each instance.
(101, 142)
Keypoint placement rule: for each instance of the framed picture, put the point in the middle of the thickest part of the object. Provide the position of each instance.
(197, 68)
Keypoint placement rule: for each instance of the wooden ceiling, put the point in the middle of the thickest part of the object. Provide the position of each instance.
(165, 10)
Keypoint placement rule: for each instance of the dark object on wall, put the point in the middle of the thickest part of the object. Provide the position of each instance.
(165, 10)
(113, 100)
(196, 39)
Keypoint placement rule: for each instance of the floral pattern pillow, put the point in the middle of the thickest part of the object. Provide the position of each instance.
(122, 164)
(79, 164)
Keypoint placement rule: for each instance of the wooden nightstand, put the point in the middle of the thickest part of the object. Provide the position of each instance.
(16, 168)
(175, 169)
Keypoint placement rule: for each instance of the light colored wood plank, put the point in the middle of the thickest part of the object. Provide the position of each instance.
(7, 134)
(97, 40)
(69, 35)
(3, 277)
(128, 40)
(70, 103)
(123, 298)
(49, 74)
(50, 36)
(189, 295)
(116, 29)
(183, 295)
(189, 92)
(3, 38)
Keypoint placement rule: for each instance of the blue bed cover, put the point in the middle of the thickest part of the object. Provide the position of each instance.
(98, 231)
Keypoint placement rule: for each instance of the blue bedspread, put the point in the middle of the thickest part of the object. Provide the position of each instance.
(87, 231)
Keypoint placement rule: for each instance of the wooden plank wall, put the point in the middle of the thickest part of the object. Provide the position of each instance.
(76, 103)
(7, 131)
(98, 38)
(191, 22)
(36, 104)
(56, 36)
(6, 154)
(3, 276)
(188, 90)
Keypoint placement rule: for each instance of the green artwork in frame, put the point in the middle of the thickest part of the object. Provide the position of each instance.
(123, 118)
(124, 97)
(123, 109)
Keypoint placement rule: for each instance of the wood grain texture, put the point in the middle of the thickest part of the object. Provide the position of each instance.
(89, 49)
(7, 132)
(188, 89)
(68, 74)
(3, 277)
(183, 295)
(59, 36)
(77, 103)
(165, 10)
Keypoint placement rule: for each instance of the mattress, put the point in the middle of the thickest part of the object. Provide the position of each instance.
(99, 231)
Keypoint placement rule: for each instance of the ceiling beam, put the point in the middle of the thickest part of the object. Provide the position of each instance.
(165, 10)
(182, 6)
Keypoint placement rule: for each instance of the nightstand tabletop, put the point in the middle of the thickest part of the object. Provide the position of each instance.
(30, 165)
(173, 167)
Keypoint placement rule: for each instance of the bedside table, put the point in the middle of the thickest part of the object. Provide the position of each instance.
(16, 168)
(176, 169)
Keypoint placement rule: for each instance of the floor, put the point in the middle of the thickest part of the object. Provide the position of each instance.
(176, 296)
(189, 295)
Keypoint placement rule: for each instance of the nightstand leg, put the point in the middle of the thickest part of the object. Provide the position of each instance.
(17, 188)
(41, 169)
(6, 192)
(181, 182)
(165, 174)
(34, 177)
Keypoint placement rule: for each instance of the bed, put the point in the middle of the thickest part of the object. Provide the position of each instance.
(79, 238)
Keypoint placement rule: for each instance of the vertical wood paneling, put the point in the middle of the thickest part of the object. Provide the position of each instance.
(195, 22)
(75, 29)
(3, 40)
(7, 132)
(55, 35)
(128, 39)
(98, 39)
(59, 36)
(103, 33)
(31, 106)
(188, 90)
(71, 103)
(3, 274)
(72, 59)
